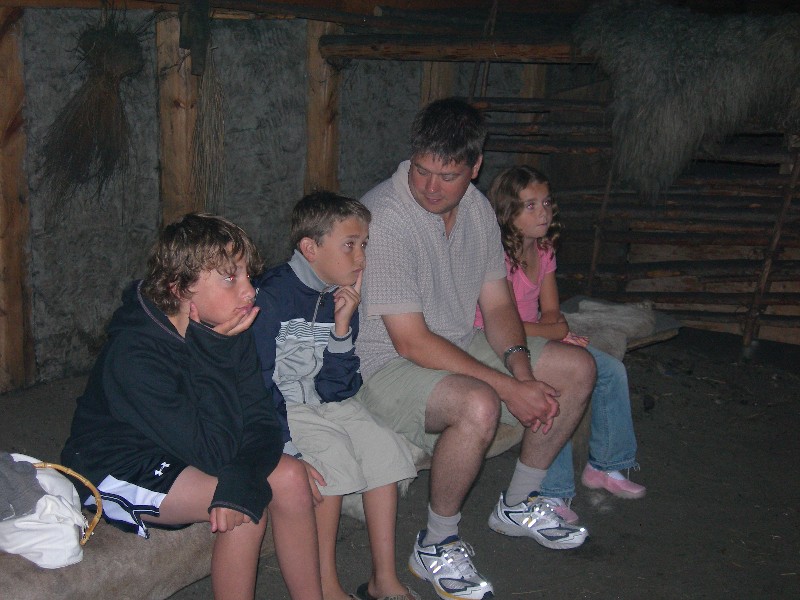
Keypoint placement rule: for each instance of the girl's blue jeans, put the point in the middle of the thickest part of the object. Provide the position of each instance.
(612, 443)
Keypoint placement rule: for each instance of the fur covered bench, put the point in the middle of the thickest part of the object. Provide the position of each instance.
(116, 565)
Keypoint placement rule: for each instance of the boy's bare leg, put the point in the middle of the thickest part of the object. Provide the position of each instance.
(466, 411)
(380, 508)
(570, 370)
(234, 561)
(327, 514)
(294, 529)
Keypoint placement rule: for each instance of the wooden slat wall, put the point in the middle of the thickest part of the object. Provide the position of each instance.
(17, 360)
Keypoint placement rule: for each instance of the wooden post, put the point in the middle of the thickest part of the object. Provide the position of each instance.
(177, 111)
(322, 113)
(17, 361)
(598, 235)
(762, 286)
(438, 81)
(534, 79)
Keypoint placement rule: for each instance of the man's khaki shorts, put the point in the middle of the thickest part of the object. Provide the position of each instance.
(399, 392)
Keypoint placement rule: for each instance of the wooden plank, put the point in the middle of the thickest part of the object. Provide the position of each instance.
(714, 299)
(536, 127)
(322, 114)
(17, 361)
(448, 48)
(519, 105)
(696, 239)
(544, 146)
(177, 108)
(722, 269)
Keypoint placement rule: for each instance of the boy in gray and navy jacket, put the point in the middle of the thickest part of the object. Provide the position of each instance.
(305, 338)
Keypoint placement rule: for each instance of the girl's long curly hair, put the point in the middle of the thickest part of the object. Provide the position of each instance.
(504, 196)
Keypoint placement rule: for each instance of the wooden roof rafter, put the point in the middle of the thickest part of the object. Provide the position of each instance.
(434, 16)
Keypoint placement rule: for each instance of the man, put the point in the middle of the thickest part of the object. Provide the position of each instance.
(434, 254)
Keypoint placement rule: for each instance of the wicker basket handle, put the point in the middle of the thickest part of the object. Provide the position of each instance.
(98, 513)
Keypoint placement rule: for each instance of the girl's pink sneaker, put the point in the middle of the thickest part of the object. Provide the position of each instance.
(612, 481)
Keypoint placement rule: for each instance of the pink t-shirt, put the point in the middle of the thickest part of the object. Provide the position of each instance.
(526, 292)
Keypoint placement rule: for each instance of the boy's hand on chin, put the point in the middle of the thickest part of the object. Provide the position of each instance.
(233, 326)
(345, 302)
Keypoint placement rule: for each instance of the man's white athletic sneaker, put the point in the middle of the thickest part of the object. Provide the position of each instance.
(536, 518)
(448, 566)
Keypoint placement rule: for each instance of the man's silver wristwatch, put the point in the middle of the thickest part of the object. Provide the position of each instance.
(511, 351)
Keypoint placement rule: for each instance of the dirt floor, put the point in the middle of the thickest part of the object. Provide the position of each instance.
(718, 447)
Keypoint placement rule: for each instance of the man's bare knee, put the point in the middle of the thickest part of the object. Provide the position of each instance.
(569, 369)
(464, 403)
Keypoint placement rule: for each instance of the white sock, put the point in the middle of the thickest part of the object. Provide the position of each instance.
(440, 528)
(524, 481)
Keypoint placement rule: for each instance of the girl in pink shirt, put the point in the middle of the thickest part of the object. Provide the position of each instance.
(530, 228)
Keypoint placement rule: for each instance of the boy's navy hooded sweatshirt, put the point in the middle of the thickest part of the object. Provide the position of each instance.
(200, 399)
(302, 360)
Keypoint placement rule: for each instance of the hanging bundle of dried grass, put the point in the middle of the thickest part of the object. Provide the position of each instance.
(683, 79)
(208, 145)
(89, 139)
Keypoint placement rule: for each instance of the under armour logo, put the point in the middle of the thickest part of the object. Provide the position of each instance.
(160, 471)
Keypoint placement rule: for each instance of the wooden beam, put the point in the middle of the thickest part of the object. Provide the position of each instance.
(177, 111)
(545, 146)
(343, 13)
(705, 270)
(741, 300)
(520, 105)
(534, 127)
(661, 238)
(448, 48)
(356, 7)
(17, 361)
(322, 114)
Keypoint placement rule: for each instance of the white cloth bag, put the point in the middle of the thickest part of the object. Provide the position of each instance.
(50, 536)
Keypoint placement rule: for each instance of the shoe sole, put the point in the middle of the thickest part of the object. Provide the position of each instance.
(420, 572)
(512, 530)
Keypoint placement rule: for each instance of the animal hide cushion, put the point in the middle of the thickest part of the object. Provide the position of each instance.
(119, 565)
(609, 327)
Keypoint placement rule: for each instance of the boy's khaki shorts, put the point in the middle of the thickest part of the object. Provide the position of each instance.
(398, 393)
(350, 449)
